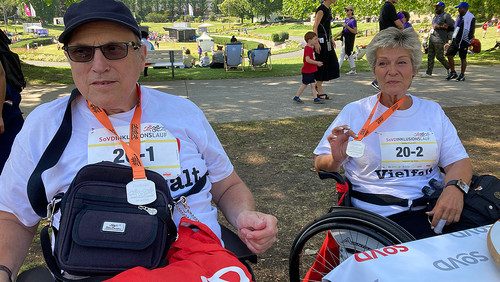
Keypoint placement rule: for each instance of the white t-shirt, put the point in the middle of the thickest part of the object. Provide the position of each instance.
(200, 151)
(402, 154)
(149, 45)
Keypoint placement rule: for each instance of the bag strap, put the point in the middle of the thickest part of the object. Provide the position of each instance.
(50, 157)
(196, 187)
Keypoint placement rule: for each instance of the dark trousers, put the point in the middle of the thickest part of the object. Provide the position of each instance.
(416, 222)
(436, 50)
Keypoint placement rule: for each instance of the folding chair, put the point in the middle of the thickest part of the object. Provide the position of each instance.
(260, 59)
(233, 57)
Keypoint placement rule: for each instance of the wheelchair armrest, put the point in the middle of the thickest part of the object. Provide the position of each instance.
(328, 174)
(234, 244)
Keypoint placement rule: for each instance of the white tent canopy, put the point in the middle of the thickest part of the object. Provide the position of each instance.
(206, 42)
(205, 25)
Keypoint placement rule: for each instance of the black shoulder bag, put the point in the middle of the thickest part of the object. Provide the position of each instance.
(481, 203)
(100, 233)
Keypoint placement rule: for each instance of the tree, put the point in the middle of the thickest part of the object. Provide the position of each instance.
(237, 8)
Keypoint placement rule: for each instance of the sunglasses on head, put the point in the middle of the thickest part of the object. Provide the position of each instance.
(111, 51)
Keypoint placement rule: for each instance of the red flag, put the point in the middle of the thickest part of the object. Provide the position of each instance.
(327, 259)
(27, 10)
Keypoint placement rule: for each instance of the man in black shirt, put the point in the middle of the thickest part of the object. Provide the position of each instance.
(388, 16)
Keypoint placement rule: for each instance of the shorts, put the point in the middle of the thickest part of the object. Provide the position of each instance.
(454, 48)
(308, 78)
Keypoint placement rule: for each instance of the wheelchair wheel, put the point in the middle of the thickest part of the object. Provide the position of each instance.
(349, 231)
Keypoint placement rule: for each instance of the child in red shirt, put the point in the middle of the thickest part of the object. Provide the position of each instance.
(309, 68)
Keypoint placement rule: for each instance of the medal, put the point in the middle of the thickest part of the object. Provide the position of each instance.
(141, 192)
(355, 149)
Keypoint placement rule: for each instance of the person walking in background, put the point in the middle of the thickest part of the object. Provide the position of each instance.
(388, 17)
(309, 68)
(148, 44)
(461, 40)
(325, 48)
(485, 28)
(442, 25)
(348, 36)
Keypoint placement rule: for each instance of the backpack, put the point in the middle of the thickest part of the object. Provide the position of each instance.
(11, 64)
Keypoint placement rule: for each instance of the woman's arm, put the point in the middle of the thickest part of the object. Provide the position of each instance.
(317, 20)
(450, 204)
(338, 143)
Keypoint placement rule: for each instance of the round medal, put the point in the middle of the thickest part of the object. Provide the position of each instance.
(355, 149)
(141, 192)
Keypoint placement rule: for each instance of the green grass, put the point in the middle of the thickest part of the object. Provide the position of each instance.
(281, 67)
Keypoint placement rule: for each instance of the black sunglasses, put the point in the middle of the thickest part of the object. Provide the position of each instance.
(111, 51)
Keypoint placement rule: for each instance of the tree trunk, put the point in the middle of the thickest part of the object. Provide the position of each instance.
(62, 5)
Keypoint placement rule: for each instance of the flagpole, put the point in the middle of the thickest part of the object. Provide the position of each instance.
(4, 16)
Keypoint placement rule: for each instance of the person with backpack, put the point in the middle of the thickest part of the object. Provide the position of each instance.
(11, 84)
(168, 138)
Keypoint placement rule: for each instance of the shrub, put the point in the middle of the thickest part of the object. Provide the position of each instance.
(275, 37)
(283, 35)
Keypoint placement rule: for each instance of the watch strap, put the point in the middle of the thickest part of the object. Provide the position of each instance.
(456, 184)
(8, 271)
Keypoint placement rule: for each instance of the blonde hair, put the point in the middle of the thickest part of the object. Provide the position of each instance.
(393, 37)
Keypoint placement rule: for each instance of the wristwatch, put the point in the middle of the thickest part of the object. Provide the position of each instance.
(460, 184)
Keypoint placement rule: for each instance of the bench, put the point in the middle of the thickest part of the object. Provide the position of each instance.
(165, 58)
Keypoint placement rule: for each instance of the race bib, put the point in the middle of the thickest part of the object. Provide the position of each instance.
(408, 149)
(159, 148)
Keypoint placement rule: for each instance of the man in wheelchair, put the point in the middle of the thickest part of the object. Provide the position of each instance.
(391, 144)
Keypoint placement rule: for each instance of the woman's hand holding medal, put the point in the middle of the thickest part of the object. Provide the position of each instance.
(338, 141)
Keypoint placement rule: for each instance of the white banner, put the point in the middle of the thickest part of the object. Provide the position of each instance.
(459, 256)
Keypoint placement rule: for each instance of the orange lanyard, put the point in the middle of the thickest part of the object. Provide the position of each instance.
(134, 148)
(370, 127)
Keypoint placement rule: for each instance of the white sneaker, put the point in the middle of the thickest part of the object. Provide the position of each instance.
(352, 72)
(426, 75)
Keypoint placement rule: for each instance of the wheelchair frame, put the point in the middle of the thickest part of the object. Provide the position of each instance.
(314, 254)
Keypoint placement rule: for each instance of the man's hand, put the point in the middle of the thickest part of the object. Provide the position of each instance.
(257, 230)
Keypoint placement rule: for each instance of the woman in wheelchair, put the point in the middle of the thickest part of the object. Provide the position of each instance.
(391, 144)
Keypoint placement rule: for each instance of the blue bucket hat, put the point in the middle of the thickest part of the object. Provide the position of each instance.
(463, 4)
(97, 10)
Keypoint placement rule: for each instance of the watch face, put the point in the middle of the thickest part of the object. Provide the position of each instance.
(462, 185)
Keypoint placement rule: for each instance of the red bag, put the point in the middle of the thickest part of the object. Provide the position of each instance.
(197, 255)
(476, 45)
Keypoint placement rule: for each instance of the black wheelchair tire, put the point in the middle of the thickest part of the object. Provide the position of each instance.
(359, 223)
